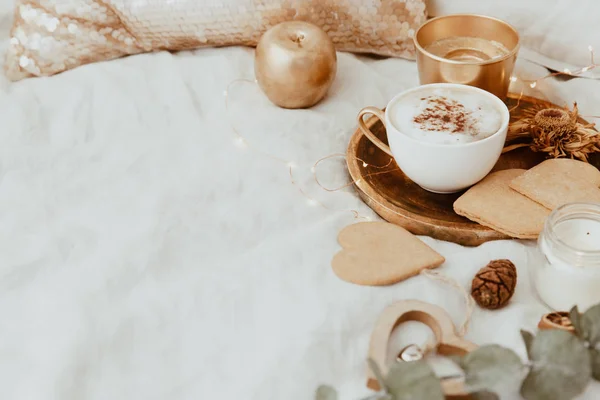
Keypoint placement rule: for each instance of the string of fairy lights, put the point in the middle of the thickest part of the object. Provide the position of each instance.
(566, 71)
(241, 141)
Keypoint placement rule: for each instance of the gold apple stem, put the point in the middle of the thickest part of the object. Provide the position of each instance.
(298, 38)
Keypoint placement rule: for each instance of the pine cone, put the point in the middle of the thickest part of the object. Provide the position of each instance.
(494, 284)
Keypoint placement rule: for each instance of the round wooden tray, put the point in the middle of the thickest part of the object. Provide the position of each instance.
(398, 200)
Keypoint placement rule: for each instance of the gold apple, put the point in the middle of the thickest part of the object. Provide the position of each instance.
(295, 64)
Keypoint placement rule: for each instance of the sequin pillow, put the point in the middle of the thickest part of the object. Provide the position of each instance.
(51, 36)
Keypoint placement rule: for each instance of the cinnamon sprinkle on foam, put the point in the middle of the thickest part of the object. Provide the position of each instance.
(442, 114)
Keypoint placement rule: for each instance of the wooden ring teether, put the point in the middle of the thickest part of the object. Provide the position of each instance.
(447, 342)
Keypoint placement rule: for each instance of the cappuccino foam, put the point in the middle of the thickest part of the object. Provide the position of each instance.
(446, 116)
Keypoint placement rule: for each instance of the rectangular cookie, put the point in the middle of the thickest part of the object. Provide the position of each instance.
(494, 204)
(559, 181)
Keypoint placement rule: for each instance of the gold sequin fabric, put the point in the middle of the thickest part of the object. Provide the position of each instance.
(52, 36)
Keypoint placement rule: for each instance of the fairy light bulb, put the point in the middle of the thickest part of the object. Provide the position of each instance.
(533, 84)
(513, 78)
(590, 48)
(567, 71)
(240, 142)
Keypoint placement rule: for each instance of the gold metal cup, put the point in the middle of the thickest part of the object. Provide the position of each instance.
(492, 75)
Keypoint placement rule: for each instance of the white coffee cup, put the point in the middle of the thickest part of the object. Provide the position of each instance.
(440, 168)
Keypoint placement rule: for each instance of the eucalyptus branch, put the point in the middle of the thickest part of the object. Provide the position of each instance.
(559, 366)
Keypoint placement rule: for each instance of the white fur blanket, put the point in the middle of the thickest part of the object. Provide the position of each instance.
(143, 255)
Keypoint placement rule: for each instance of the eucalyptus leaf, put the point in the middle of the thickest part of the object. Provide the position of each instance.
(456, 359)
(528, 339)
(378, 375)
(491, 367)
(560, 367)
(575, 317)
(325, 392)
(590, 325)
(595, 356)
(413, 380)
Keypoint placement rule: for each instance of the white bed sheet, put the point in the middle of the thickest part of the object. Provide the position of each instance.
(143, 255)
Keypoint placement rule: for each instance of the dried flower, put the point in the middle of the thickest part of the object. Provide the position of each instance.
(555, 131)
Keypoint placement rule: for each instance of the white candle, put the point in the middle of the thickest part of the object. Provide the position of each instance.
(568, 273)
(581, 233)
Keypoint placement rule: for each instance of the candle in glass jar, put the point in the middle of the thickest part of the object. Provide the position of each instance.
(568, 273)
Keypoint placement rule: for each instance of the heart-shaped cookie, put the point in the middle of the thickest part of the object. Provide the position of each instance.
(447, 341)
(380, 253)
(559, 181)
